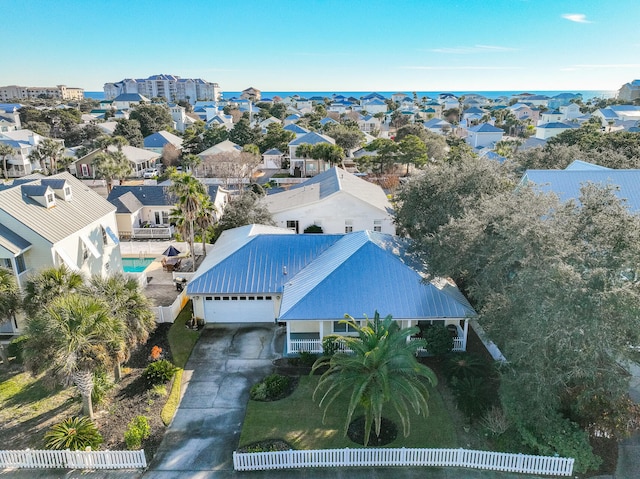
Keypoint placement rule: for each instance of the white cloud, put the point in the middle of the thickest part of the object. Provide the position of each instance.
(609, 65)
(576, 17)
(466, 67)
(472, 49)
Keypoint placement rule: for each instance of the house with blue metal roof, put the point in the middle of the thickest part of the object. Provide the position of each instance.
(566, 183)
(156, 142)
(260, 274)
(307, 166)
(483, 135)
(545, 131)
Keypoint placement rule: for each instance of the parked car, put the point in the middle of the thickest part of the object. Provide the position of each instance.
(151, 172)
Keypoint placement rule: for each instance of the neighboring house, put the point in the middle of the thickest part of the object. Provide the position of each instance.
(272, 159)
(144, 211)
(374, 105)
(551, 116)
(483, 135)
(549, 130)
(398, 97)
(126, 101)
(436, 125)
(618, 114)
(291, 119)
(525, 113)
(473, 116)
(566, 183)
(9, 117)
(309, 282)
(139, 159)
(570, 112)
(224, 161)
(297, 129)
(368, 123)
(307, 166)
(23, 143)
(629, 91)
(252, 94)
(53, 221)
(157, 141)
(335, 200)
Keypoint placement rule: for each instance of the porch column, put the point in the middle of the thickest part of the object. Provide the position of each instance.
(464, 335)
(321, 332)
(288, 339)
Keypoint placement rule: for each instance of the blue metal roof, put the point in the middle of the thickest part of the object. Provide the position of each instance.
(485, 128)
(295, 129)
(326, 276)
(365, 272)
(259, 265)
(566, 183)
(585, 165)
(312, 138)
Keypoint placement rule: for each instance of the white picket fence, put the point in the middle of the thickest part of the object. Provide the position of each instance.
(43, 459)
(495, 461)
(168, 314)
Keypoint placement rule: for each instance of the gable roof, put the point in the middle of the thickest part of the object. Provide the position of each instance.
(65, 218)
(297, 129)
(485, 128)
(558, 125)
(12, 242)
(161, 138)
(312, 138)
(222, 147)
(146, 195)
(328, 183)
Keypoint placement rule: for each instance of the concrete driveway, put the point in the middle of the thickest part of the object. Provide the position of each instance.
(225, 363)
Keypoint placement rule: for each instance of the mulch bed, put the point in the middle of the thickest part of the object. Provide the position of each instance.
(131, 398)
(388, 432)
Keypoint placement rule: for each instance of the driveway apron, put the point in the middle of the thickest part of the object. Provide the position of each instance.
(225, 363)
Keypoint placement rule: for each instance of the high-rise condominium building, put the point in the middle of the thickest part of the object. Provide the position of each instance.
(171, 87)
(61, 92)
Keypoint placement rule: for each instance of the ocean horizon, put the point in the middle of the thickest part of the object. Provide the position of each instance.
(586, 94)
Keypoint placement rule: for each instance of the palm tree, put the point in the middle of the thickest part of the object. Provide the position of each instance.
(48, 151)
(130, 306)
(207, 216)
(305, 151)
(112, 165)
(47, 285)
(9, 302)
(71, 338)
(382, 369)
(5, 150)
(190, 194)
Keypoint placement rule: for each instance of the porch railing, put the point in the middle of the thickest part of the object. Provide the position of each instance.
(315, 346)
(152, 233)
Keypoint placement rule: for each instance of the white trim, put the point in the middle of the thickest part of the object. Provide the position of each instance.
(67, 259)
(90, 246)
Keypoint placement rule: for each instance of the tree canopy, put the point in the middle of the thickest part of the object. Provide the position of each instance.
(152, 118)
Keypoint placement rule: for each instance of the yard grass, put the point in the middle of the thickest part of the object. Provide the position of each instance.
(181, 341)
(27, 406)
(297, 419)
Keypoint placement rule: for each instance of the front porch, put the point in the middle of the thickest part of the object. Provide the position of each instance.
(311, 341)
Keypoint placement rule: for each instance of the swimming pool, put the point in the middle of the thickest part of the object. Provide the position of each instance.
(136, 265)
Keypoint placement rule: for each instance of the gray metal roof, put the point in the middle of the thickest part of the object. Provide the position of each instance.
(65, 218)
(147, 195)
(12, 242)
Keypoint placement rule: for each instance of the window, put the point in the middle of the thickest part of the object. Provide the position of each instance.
(6, 263)
(104, 236)
(85, 169)
(293, 225)
(20, 265)
(67, 191)
(208, 298)
(50, 198)
(348, 226)
(377, 225)
(165, 217)
(339, 327)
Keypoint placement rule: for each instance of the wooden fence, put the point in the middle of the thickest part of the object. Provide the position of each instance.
(43, 459)
(495, 461)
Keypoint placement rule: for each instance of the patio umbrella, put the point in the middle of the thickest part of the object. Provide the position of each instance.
(171, 251)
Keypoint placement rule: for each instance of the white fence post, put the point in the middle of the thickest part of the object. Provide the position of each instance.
(67, 459)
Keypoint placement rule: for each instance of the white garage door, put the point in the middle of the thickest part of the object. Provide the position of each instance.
(238, 309)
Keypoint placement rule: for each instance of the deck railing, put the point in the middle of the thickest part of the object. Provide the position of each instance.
(43, 459)
(495, 461)
(152, 233)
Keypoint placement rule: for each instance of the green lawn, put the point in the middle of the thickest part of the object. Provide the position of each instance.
(181, 339)
(298, 420)
(28, 406)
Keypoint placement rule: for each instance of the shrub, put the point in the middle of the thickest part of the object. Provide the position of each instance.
(75, 433)
(137, 430)
(472, 395)
(495, 421)
(466, 365)
(307, 358)
(270, 388)
(159, 372)
(330, 345)
(313, 229)
(102, 384)
(439, 340)
(15, 348)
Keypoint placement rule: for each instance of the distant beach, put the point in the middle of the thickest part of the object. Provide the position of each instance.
(586, 94)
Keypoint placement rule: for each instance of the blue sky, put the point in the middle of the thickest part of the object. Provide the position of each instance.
(329, 45)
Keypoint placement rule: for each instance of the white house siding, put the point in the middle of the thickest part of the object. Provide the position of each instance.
(332, 212)
(483, 139)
